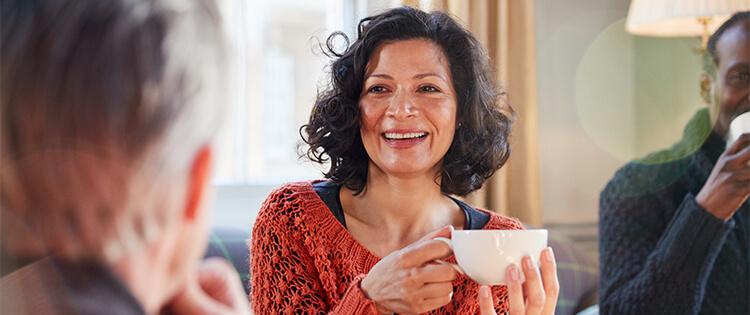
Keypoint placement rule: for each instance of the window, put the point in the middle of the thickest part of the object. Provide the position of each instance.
(278, 69)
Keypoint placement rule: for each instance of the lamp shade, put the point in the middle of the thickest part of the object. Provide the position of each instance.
(679, 17)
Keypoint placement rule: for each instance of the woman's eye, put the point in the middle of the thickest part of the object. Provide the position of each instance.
(428, 89)
(377, 89)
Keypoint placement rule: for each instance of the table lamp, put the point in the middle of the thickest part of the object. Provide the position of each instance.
(680, 18)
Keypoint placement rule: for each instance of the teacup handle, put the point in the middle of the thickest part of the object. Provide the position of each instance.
(448, 242)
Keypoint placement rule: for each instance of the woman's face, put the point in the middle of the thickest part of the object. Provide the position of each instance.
(408, 107)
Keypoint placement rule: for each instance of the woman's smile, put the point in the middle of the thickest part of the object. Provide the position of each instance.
(404, 139)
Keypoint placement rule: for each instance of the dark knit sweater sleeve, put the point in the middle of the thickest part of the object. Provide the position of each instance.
(655, 259)
(284, 277)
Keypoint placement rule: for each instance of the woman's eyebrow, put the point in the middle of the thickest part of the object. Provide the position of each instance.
(416, 76)
(429, 74)
(380, 75)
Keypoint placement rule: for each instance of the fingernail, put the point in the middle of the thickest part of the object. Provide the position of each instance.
(513, 273)
(484, 291)
(527, 263)
(550, 256)
(450, 296)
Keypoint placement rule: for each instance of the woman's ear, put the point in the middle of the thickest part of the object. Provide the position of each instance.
(706, 83)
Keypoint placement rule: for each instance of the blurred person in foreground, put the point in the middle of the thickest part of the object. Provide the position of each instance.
(674, 225)
(411, 117)
(109, 110)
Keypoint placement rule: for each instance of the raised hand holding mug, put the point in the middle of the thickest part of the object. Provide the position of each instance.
(493, 257)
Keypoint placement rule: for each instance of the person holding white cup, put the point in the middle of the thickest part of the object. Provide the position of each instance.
(674, 225)
(410, 118)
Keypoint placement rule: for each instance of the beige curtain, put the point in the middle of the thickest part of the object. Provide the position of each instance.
(506, 29)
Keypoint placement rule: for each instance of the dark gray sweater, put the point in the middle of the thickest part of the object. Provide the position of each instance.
(661, 252)
(51, 286)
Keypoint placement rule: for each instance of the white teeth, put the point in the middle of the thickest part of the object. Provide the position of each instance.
(411, 135)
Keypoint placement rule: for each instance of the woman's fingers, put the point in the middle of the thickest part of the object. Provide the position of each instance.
(436, 290)
(423, 252)
(486, 305)
(401, 282)
(535, 297)
(549, 278)
(436, 295)
(516, 302)
(426, 249)
(436, 273)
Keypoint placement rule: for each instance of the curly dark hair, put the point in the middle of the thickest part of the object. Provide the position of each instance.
(480, 145)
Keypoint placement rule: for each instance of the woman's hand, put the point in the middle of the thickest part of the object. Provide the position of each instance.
(541, 291)
(406, 282)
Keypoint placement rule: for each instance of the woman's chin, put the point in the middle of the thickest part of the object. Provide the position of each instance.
(407, 170)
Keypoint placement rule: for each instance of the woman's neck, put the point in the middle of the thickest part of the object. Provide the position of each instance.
(403, 208)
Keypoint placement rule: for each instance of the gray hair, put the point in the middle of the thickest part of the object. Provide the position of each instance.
(103, 105)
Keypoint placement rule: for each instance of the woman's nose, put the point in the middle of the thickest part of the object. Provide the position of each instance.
(401, 106)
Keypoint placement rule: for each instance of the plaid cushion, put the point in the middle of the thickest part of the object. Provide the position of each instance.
(578, 273)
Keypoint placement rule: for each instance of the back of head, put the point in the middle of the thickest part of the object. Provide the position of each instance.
(102, 105)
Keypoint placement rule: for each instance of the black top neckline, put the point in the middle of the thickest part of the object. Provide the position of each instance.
(328, 191)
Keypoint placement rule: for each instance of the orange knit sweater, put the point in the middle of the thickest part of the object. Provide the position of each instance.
(305, 262)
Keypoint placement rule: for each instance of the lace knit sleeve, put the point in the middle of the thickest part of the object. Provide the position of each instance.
(285, 279)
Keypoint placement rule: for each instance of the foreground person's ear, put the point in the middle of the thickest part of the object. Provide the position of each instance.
(200, 174)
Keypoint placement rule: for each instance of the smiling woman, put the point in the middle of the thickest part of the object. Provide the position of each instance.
(411, 117)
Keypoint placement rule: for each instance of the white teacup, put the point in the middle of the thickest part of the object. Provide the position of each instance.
(738, 126)
(484, 255)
